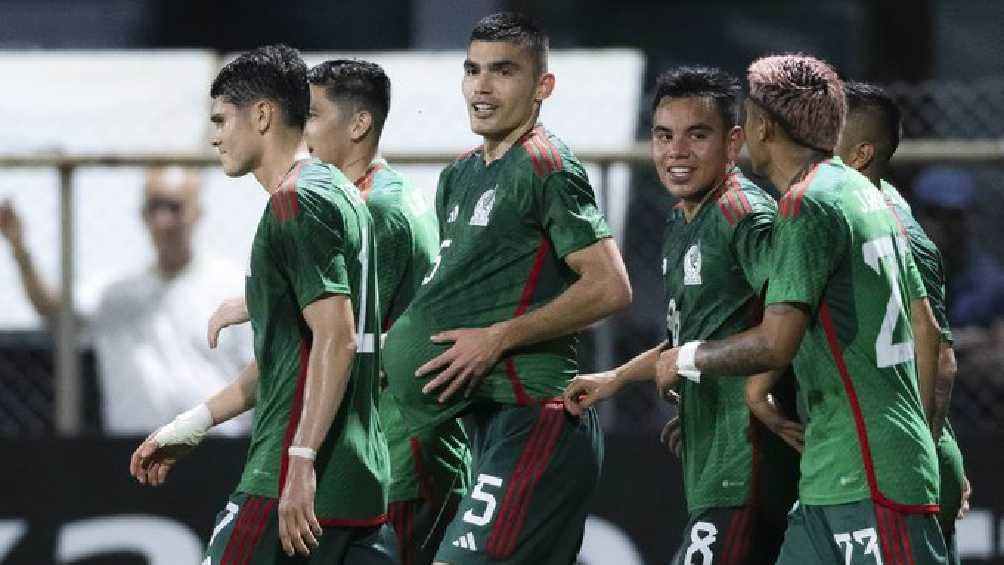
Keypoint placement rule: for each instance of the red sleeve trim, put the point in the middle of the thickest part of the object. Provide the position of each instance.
(285, 204)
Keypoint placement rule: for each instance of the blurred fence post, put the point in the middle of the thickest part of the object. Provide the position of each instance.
(68, 398)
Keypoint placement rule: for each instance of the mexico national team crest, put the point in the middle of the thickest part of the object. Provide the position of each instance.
(483, 210)
(692, 265)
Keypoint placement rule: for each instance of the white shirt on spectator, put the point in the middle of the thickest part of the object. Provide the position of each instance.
(149, 333)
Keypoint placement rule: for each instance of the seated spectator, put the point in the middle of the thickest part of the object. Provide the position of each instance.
(149, 328)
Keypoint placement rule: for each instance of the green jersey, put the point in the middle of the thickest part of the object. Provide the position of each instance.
(714, 268)
(506, 229)
(404, 222)
(932, 272)
(315, 240)
(840, 252)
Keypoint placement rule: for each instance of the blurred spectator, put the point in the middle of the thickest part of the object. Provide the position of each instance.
(149, 328)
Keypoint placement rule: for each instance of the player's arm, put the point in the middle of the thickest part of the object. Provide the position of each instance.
(43, 298)
(158, 454)
(947, 369)
(601, 289)
(762, 406)
(332, 349)
(231, 312)
(927, 338)
(586, 390)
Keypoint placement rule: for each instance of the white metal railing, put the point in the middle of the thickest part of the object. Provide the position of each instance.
(67, 404)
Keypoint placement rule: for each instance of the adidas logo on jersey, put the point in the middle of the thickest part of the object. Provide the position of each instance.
(453, 214)
(466, 541)
(483, 210)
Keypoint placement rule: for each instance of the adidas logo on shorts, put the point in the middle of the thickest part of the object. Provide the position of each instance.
(466, 541)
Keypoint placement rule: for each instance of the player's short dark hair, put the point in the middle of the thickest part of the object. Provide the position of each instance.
(702, 82)
(862, 96)
(513, 27)
(273, 72)
(362, 84)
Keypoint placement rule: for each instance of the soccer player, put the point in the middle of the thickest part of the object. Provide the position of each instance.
(316, 474)
(845, 295)
(526, 260)
(349, 101)
(869, 139)
(716, 259)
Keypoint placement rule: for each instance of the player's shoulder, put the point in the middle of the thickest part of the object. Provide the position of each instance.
(545, 154)
(739, 197)
(820, 190)
(309, 186)
(894, 198)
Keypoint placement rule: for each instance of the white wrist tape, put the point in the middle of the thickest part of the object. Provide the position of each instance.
(685, 361)
(304, 452)
(187, 428)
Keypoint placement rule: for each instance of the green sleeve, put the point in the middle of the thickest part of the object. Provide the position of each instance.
(932, 272)
(914, 282)
(808, 245)
(312, 248)
(751, 243)
(441, 212)
(570, 215)
(394, 240)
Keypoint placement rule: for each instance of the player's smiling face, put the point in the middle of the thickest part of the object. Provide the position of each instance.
(327, 130)
(503, 87)
(232, 134)
(692, 147)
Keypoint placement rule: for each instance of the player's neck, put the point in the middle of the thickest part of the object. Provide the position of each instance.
(277, 159)
(497, 147)
(355, 166)
(170, 264)
(788, 165)
(691, 206)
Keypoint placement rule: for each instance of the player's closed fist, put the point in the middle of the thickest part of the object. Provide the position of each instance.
(586, 390)
(151, 462)
(672, 436)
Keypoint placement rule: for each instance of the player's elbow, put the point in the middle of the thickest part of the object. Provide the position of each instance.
(618, 293)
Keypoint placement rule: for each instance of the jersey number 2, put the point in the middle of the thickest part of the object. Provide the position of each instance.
(888, 353)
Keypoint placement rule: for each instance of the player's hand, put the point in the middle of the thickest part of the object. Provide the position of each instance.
(666, 377)
(967, 491)
(672, 436)
(298, 526)
(230, 312)
(586, 390)
(10, 223)
(151, 462)
(792, 432)
(473, 354)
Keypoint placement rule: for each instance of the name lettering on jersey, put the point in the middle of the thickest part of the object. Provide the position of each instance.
(483, 209)
(870, 201)
(453, 214)
(692, 265)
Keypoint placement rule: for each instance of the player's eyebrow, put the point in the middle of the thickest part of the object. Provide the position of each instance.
(661, 129)
(503, 64)
(700, 127)
(216, 118)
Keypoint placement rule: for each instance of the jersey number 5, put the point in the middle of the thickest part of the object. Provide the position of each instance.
(888, 353)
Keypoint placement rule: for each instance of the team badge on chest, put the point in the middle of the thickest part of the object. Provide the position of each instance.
(483, 209)
(692, 265)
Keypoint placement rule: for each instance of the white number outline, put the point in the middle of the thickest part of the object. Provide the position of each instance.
(859, 536)
(888, 353)
(435, 264)
(232, 509)
(701, 544)
(489, 499)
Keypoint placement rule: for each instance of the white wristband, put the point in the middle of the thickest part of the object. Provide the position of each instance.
(187, 428)
(685, 361)
(304, 452)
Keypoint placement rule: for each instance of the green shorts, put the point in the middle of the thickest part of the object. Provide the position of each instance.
(534, 468)
(861, 533)
(420, 526)
(743, 535)
(247, 533)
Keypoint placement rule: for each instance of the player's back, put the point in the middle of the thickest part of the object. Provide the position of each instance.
(840, 251)
(505, 229)
(314, 240)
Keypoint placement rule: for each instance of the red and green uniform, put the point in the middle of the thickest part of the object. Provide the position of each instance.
(506, 229)
(932, 272)
(714, 269)
(315, 239)
(429, 469)
(840, 253)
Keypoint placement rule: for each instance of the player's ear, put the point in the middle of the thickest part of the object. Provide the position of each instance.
(736, 139)
(861, 155)
(545, 86)
(362, 123)
(262, 113)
